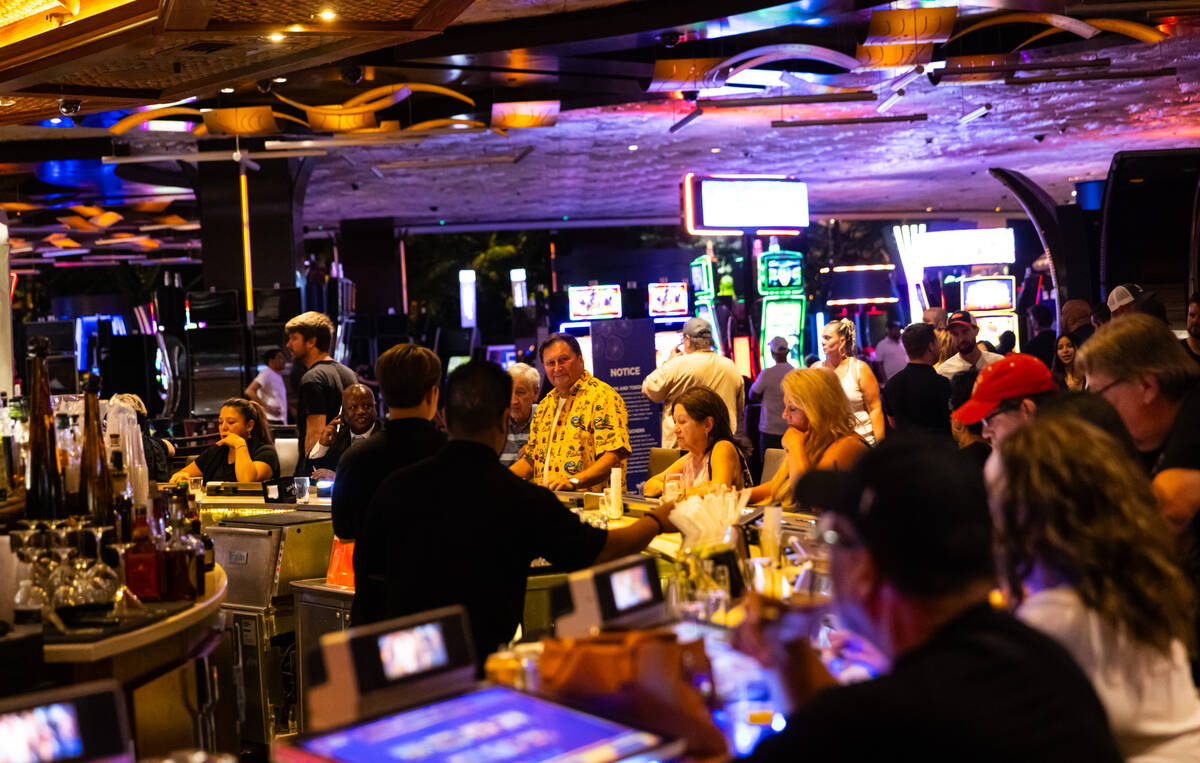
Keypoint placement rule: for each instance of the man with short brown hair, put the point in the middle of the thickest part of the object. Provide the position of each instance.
(309, 337)
(410, 378)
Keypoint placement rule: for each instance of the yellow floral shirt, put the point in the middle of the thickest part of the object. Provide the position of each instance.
(593, 422)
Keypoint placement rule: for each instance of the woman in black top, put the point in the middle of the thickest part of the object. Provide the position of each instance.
(244, 453)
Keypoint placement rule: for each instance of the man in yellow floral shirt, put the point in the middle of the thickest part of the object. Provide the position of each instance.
(580, 431)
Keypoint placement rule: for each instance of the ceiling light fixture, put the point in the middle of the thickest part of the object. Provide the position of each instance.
(687, 120)
(275, 37)
(787, 100)
(279, 80)
(904, 80)
(328, 14)
(227, 90)
(56, 120)
(850, 121)
(891, 101)
(982, 111)
(633, 147)
(716, 150)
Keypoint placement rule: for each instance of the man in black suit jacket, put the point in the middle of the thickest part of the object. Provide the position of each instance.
(1044, 342)
(358, 420)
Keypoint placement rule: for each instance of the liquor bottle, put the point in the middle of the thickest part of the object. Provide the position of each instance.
(122, 506)
(43, 482)
(179, 556)
(95, 483)
(144, 565)
(202, 544)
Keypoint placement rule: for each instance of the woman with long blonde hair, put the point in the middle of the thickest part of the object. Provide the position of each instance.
(856, 377)
(1088, 560)
(820, 435)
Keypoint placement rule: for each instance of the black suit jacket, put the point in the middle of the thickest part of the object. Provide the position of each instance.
(340, 445)
(1043, 347)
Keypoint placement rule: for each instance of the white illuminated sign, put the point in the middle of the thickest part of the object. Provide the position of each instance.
(734, 203)
(520, 293)
(466, 297)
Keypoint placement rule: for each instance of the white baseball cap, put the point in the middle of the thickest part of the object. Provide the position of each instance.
(1125, 294)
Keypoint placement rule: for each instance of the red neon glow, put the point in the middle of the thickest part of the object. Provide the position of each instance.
(12, 286)
(766, 232)
(689, 215)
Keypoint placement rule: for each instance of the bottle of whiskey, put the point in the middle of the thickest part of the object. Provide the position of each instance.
(43, 481)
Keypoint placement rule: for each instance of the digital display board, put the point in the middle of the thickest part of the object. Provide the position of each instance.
(592, 303)
(667, 299)
(750, 202)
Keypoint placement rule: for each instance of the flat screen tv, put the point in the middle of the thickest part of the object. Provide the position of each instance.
(744, 202)
(667, 299)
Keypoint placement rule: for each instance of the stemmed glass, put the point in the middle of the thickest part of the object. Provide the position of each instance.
(125, 602)
(102, 579)
(30, 596)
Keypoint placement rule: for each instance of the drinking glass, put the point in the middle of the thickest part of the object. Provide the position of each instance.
(301, 489)
(671, 487)
(125, 602)
(196, 485)
(101, 578)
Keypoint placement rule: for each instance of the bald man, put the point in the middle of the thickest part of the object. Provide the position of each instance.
(358, 420)
(1076, 319)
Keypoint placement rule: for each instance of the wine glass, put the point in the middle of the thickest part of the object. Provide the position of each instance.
(125, 602)
(102, 579)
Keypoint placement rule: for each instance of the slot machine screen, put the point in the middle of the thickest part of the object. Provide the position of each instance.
(994, 293)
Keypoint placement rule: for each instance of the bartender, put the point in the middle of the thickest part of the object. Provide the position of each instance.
(357, 421)
(245, 452)
(580, 432)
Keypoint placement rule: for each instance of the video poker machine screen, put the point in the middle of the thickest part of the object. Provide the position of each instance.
(667, 299)
(491, 724)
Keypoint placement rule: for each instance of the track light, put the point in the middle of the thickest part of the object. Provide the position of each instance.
(904, 80)
(850, 121)
(982, 111)
(890, 101)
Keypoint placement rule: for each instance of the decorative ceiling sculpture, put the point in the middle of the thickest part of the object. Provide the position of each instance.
(356, 115)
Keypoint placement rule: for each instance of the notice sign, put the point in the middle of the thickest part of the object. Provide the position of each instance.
(623, 355)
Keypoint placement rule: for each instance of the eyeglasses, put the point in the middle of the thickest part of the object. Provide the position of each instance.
(1107, 387)
(831, 537)
(1000, 410)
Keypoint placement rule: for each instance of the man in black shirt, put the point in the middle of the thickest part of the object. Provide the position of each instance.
(915, 397)
(409, 377)
(1043, 342)
(309, 337)
(967, 681)
(459, 528)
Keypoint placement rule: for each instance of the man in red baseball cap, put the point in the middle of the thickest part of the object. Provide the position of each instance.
(1007, 395)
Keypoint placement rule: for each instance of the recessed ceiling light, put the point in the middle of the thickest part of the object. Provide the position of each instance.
(227, 90)
(279, 80)
(56, 120)
(276, 37)
(716, 150)
(633, 147)
(8, 101)
(328, 14)
(997, 209)
(928, 209)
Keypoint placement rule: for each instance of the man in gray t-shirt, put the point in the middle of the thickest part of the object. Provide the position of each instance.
(768, 389)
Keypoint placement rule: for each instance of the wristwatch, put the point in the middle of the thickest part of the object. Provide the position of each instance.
(574, 481)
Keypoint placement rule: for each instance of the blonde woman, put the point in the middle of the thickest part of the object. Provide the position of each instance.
(820, 432)
(856, 378)
(1088, 560)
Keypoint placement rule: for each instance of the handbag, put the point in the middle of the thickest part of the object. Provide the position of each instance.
(646, 679)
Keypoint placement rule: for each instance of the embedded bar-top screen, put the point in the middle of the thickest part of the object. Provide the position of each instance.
(631, 587)
(667, 299)
(411, 651)
(493, 724)
(589, 303)
(50, 732)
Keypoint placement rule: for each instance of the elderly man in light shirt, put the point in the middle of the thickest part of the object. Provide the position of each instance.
(527, 383)
(694, 364)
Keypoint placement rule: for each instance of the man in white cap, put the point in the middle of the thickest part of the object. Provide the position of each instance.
(768, 388)
(1123, 299)
(694, 364)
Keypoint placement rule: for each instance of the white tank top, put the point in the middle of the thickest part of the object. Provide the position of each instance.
(858, 407)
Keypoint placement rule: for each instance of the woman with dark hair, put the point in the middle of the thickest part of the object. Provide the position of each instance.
(712, 458)
(1088, 560)
(1065, 373)
(245, 452)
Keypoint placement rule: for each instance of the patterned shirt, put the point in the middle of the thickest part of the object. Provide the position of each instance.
(518, 435)
(592, 421)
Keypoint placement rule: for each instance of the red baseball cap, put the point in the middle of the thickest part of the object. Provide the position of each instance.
(1015, 375)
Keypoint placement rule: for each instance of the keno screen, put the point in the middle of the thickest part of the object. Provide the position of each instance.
(743, 204)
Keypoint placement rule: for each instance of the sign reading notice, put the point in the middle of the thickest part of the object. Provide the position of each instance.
(623, 355)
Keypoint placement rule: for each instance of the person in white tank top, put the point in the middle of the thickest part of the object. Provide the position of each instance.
(856, 377)
(1089, 561)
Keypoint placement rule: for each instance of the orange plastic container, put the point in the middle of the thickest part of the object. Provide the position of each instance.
(341, 564)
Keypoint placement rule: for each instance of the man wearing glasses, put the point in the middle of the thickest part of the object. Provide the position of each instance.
(1007, 395)
(1136, 363)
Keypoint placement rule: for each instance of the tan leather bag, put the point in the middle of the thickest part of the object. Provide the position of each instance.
(646, 679)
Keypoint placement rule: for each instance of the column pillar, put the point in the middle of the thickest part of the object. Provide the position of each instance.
(370, 252)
